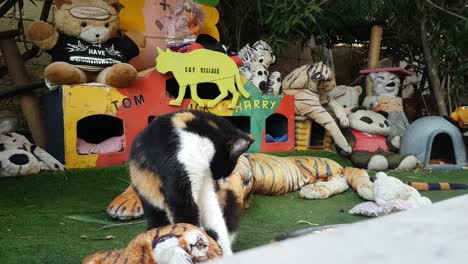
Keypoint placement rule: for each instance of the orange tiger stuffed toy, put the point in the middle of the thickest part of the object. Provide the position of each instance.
(179, 243)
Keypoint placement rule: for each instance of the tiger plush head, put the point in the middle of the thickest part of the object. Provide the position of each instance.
(385, 84)
(322, 77)
(259, 52)
(179, 243)
(315, 78)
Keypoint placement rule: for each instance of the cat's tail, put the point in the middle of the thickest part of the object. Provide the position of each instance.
(435, 186)
(240, 86)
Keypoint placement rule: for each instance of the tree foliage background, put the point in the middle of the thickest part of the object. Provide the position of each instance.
(440, 26)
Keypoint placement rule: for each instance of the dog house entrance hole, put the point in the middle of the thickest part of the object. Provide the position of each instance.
(442, 150)
(99, 134)
(317, 136)
(241, 122)
(276, 128)
(204, 90)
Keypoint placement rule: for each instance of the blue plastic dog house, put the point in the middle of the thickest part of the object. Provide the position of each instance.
(432, 136)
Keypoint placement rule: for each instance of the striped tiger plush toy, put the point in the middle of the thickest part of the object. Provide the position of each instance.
(309, 85)
(316, 178)
(178, 244)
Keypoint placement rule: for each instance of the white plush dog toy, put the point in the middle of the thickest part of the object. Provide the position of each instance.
(19, 157)
(390, 195)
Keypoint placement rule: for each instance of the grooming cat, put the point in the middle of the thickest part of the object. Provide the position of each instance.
(174, 163)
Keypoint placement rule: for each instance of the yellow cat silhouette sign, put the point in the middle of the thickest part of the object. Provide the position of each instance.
(201, 66)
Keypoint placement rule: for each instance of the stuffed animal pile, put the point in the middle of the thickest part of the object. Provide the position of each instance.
(256, 60)
(86, 44)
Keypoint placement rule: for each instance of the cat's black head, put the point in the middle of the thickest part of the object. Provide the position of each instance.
(229, 142)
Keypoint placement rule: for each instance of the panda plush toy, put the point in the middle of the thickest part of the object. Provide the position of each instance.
(367, 135)
(19, 157)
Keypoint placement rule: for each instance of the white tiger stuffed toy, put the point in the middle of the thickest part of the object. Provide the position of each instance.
(274, 83)
(256, 60)
(309, 85)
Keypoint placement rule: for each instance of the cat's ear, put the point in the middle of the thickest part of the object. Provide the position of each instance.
(238, 147)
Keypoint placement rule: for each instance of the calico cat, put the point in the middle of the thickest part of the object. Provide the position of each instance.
(174, 163)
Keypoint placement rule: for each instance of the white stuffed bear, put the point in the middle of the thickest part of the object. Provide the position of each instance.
(346, 96)
(19, 157)
(390, 195)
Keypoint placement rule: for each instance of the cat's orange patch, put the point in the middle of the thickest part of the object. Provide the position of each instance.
(180, 120)
(147, 183)
(232, 183)
(213, 124)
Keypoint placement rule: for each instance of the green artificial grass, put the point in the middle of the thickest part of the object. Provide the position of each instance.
(56, 217)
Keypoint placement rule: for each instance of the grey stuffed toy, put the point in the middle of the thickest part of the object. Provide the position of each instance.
(19, 157)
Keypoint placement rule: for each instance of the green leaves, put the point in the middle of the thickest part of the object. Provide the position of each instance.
(289, 21)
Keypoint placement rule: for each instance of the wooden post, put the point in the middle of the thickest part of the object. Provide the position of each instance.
(17, 72)
(374, 52)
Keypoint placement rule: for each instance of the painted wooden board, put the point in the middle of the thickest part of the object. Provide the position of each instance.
(202, 66)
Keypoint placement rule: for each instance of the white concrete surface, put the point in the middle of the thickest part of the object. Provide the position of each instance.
(434, 234)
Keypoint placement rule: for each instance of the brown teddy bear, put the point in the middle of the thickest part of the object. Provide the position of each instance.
(86, 44)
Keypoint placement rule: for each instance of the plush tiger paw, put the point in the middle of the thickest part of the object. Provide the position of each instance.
(311, 191)
(126, 206)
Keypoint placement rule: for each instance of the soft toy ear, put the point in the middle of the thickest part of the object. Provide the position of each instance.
(115, 4)
(385, 114)
(373, 76)
(59, 3)
(358, 89)
(357, 108)
(273, 59)
(337, 92)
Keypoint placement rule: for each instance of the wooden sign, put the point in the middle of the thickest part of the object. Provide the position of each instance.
(202, 66)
